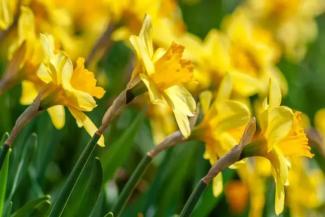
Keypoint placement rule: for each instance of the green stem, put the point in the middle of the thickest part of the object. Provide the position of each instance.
(3, 153)
(73, 178)
(137, 90)
(193, 199)
(130, 185)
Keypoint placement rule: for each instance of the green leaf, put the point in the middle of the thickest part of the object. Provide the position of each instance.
(120, 149)
(3, 182)
(86, 192)
(65, 194)
(179, 172)
(109, 214)
(7, 212)
(208, 202)
(38, 207)
(23, 164)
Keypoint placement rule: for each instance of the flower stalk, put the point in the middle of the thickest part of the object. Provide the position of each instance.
(74, 176)
(234, 155)
(101, 46)
(118, 104)
(127, 191)
(30, 112)
(170, 141)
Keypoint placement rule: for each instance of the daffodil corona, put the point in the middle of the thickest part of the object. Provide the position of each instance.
(63, 85)
(281, 136)
(164, 73)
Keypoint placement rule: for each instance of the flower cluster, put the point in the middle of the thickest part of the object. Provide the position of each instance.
(223, 79)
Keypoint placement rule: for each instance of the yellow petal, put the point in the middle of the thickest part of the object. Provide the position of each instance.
(217, 185)
(80, 100)
(154, 94)
(29, 93)
(143, 46)
(245, 84)
(145, 33)
(181, 100)
(280, 174)
(57, 116)
(205, 100)
(274, 93)
(85, 80)
(224, 90)
(183, 123)
(26, 25)
(84, 121)
(64, 71)
(233, 114)
(44, 73)
(280, 122)
(6, 13)
(48, 45)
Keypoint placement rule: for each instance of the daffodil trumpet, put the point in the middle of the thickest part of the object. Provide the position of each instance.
(233, 156)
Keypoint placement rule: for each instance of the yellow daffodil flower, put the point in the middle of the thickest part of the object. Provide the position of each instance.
(62, 84)
(305, 190)
(253, 55)
(25, 52)
(236, 193)
(222, 126)
(256, 183)
(7, 10)
(282, 136)
(164, 73)
(158, 10)
(162, 122)
(27, 36)
(291, 21)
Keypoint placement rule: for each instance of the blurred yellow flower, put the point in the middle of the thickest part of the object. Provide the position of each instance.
(282, 136)
(162, 122)
(28, 37)
(253, 55)
(7, 11)
(164, 73)
(222, 126)
(61, 85)
(305, 192)
(291, 21)
(236, 193)
(249, 173)
(159, 10)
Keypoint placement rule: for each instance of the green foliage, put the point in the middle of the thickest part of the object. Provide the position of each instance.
(35, 208)
(86, 191)
(120, 149)
(3, 180)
